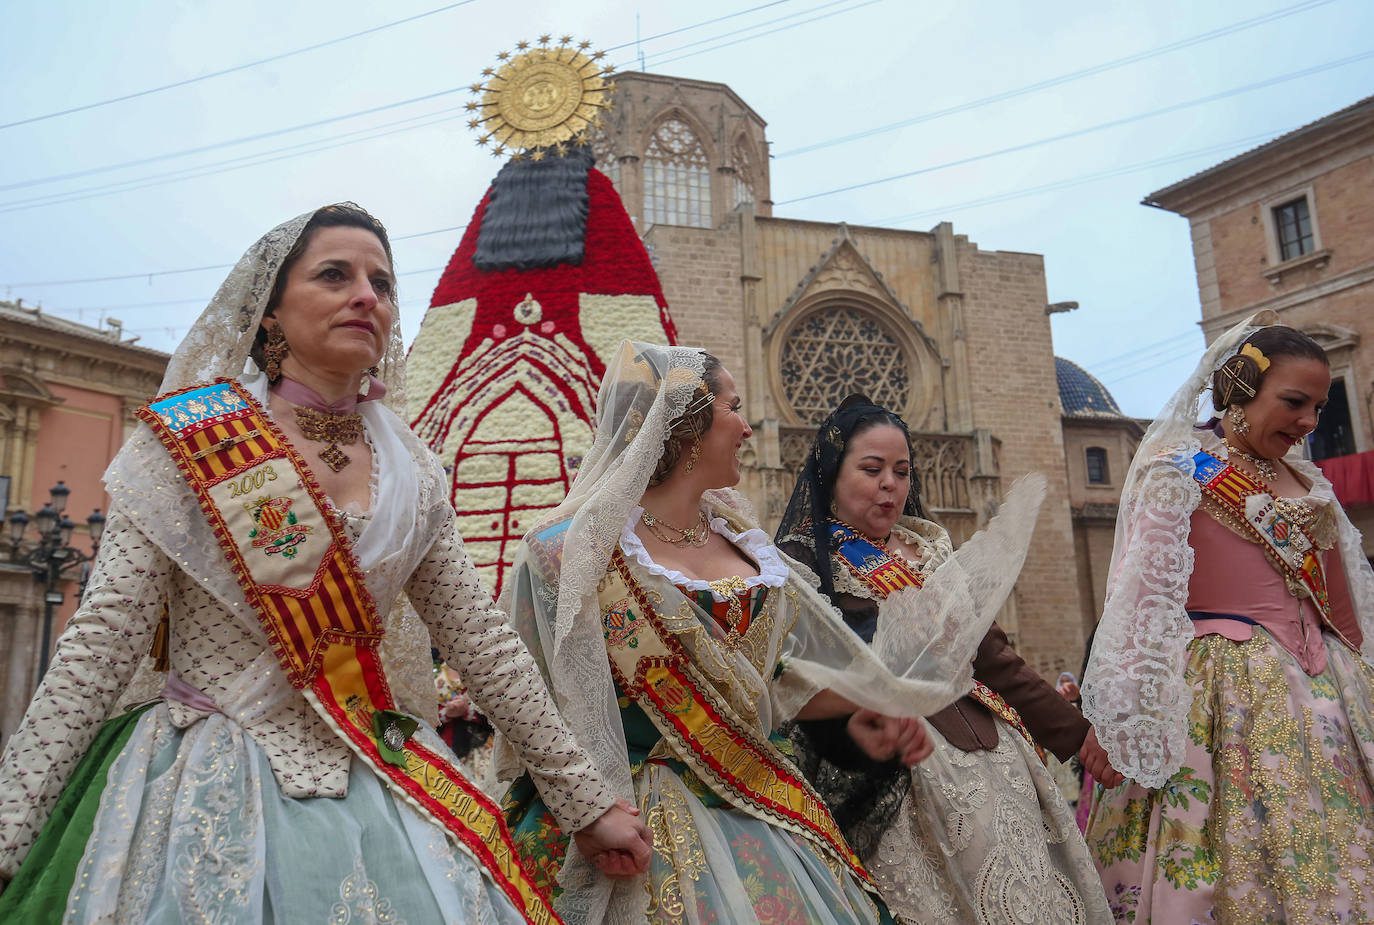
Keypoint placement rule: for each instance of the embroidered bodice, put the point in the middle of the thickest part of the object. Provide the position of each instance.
(1232, 577)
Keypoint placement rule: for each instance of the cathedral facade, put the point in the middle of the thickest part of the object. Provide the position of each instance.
(804, 313)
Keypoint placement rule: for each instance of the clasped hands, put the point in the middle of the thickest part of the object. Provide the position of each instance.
(883, 738)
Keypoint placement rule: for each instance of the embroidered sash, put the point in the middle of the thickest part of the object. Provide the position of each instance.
(885, 573)
(1286, 544)
(741, 766)
(297, 571)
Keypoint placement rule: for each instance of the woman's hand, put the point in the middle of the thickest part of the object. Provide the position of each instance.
(617, 843)
(883, 738)
(1096, 763)
(457, 708)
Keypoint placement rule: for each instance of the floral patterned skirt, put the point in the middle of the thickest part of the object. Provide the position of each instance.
(192, 827)
(1271, 817)
(986, 837)
(712, 865)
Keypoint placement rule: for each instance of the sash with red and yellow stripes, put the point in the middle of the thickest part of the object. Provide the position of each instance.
(1286, 544)
(885, 573)
(298, 573)
(731, 757)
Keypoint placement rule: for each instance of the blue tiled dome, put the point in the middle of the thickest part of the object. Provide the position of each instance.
(1081, 394)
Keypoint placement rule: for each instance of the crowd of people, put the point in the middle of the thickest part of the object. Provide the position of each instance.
(693, 721)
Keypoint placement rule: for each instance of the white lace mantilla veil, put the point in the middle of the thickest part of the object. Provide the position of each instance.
(553, 600)
(143, 479)
(1134, 691)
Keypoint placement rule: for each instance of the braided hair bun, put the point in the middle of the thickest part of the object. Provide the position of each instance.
(1238, 380)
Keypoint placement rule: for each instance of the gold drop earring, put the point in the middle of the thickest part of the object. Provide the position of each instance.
(1238, 420)
(274, 351)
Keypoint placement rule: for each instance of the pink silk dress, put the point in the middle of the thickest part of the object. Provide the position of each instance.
(1271, 817)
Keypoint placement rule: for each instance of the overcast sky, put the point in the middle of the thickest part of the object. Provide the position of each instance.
(188, 177)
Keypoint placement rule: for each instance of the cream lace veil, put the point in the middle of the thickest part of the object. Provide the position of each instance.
(1134, 691)
(144, 480)
(552, 598)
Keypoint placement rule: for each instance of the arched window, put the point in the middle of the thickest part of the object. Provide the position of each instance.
(836, 351)
(677, 177)
(606, 161)
(743, 162)
(1097, 466)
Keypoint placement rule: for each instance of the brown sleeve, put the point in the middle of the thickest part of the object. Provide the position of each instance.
(1054, 722)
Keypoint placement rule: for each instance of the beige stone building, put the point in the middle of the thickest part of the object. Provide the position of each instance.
(1099, 444)
(803, 313)
(1289, 226)
(67, 396)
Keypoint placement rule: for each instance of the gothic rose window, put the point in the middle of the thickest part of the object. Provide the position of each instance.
(677, 177)
(836, 351)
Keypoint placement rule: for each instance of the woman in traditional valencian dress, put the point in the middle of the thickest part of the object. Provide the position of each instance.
(1228, 678)
(978, 832)
(261, 528)
(676, 638)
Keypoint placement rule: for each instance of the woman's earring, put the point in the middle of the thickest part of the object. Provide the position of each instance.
(274, 351)
(693, 456)
(1237, 415)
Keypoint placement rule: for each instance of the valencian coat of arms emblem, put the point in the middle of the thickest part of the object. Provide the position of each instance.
(277, 530)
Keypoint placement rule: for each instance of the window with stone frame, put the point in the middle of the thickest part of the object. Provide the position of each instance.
(743, 162)
(1098, 473)
(837, 350)
(677, 177)
(603, 148)
(1335, 435)
(1293, 228)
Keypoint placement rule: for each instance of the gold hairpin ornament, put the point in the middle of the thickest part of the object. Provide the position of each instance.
(1254, 353)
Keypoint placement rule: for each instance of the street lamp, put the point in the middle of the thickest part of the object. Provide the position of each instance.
(51, 557)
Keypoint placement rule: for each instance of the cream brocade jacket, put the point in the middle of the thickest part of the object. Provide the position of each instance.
(223, 656)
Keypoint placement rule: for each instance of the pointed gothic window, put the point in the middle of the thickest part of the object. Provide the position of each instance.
(743, 162)
(677, 177)
(603, 148)
(836, 351)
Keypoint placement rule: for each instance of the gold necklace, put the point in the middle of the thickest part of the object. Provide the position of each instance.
(1265, 467)
(687, 537)
(332, 428)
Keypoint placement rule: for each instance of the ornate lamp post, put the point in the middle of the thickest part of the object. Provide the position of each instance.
(51, 556)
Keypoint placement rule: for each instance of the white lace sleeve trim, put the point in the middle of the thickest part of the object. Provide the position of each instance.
(754, 542)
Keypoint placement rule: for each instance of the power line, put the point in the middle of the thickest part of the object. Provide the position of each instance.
(660, 63)
(709, 22)
(235, 141)
(1079, 179)
(1211, 98)
(1148, 350)
(1153, 366)
(315, 124)
(110, 279)
(231, 70)
(998, 198)
(651, 56)
(1065, 78)
(235, 163)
